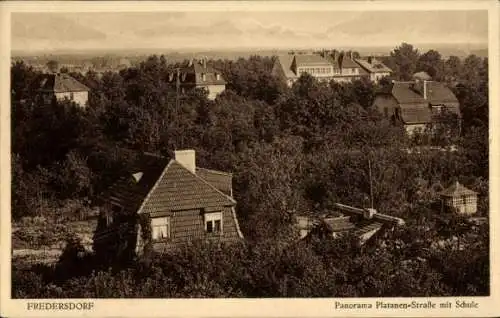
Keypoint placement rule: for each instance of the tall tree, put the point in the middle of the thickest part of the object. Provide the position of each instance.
(431, 63)
(403, 61)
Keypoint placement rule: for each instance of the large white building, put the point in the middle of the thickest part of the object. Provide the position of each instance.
(327, 67)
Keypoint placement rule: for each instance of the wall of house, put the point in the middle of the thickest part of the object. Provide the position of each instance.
(189, 225)
(467, 207)
(213, 90)
(386, 105)
(316, 71)
(80, 98)
(414, 128)
(376, 77)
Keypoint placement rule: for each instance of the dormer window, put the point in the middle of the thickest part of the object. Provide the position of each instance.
(137, 176)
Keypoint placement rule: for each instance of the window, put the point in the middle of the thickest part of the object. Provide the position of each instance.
(203, 77)
(71, 96)
(114, 214)
(213, 222)
(160, 228)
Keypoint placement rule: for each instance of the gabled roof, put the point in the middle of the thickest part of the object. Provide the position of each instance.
(437, 93)
(415, 108)
(194, 70)
(347, 62)
(311, 60)
(374, 67)
(415, 114)
(403, 93)
(285, 62)
(179, 189)
(457, 190)
(221, 180)
(169, 186)
(60, 83)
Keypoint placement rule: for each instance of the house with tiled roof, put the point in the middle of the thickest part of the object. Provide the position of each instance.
(376, 69)
(61, 86)
(323, 67)
(416, 104)
(459, 199)
(168, 203)
(198, 74)
(361, 223)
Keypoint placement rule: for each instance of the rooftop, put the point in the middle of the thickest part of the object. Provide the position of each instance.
(457, 190)
(60, 83)
(170, 186)
(373, 65)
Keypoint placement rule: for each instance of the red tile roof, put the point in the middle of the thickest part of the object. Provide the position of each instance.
(60, 83)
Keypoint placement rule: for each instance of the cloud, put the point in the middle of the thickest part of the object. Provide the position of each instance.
(419, 26)
(49, 26)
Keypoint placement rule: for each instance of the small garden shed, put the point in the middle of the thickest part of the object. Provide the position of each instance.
(459, 199)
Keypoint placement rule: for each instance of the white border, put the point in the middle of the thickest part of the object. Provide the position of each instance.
(489, 306)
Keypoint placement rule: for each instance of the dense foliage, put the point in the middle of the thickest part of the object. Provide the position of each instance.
(292, 151)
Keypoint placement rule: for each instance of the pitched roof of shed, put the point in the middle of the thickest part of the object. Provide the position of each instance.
(457, 190)
(339, 224)
(60, 83)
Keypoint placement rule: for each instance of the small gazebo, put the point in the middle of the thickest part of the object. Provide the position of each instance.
(460, 199)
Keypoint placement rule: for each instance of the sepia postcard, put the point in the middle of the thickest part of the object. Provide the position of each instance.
(249, 158)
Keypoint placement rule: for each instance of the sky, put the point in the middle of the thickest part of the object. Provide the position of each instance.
(250, 29)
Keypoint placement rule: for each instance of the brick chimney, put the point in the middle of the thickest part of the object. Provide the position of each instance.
(186, 158)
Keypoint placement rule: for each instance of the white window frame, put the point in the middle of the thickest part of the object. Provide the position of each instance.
(211, 218)
(160, 228)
